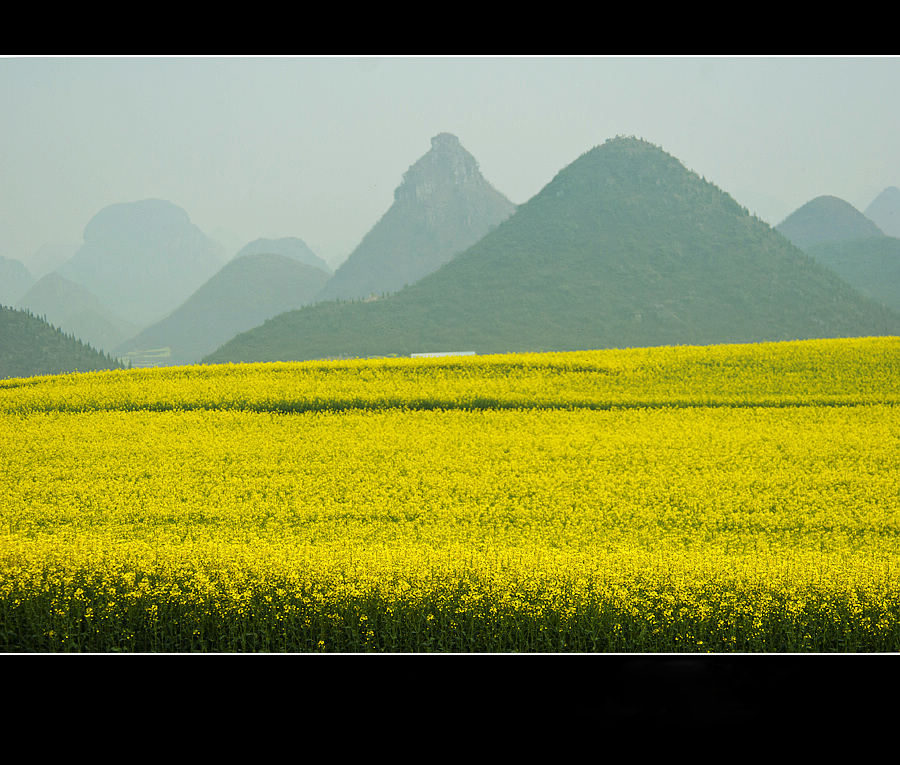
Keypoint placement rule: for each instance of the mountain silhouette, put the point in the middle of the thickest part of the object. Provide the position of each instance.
(30, 346)
(49, 257)
(852, 245)
(827, 219)
(290, 246)
(442, 206)
(870, 265)
(246, 292)
(624, 247)
(143, 259)
(15, 280)
(75, 309)
(884, 210)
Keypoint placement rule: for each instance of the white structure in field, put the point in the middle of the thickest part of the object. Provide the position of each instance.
(440, 353)
(149, 358)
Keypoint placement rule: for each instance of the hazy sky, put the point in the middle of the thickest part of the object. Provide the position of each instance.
(314, 147)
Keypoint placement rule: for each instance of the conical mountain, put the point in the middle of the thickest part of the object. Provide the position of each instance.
(143, 259)
(827, 219)
(851, 244)
(15, 280)
(443, 206)
(76, 310)
(246, 292)
(30, 346)
(289, 246)
(624, 247)
(885, 211)
(870, 265)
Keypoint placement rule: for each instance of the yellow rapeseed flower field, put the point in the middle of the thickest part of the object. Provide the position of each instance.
(723, 498)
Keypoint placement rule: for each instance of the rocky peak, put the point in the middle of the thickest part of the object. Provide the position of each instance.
(442, 206)
(447, 166)
(445, 141)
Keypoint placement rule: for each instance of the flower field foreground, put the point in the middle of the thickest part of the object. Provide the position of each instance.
(723, 498)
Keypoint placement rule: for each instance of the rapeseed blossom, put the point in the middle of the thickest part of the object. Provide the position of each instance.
(723, 498)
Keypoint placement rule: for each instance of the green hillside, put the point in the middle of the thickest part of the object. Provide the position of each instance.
(77, 311)
(30, 346)
(624, 247)
(246, 292)
(870, 265)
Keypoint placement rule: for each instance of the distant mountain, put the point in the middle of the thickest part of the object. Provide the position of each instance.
(246, 292)
(15, 279)
(885, 211)
(443, 206)
(76, 310)
(29, 346)
(143, 259)
(852, 245)
(870, 265)
(827, 219)
(290, 246)
(48, 257)
(624, 247)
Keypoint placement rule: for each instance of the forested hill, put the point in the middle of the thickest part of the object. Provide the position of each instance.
(30, 346)
(851, 244)
(624, 247)
(870, 265)
(247, 291)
